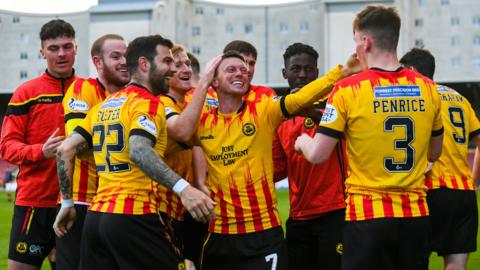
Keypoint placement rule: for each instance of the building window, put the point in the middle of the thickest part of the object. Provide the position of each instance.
(23, 75)
(445, 2)
(421, 2)
(456, 62)
(23, 56)
(313, 7)
(476, 62)
(418, 22)
(455, 21)
(476, 20)
(196, 31)
(455, 41)
(16, 19)
(476, 40)
(199, 11)
(419, 42)
(196, 50)
(24, 37)
(220, 11)
(304, 27)
(229, 28)
(248, 28)
(283, 27)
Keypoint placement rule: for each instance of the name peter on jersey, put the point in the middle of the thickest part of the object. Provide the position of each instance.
(398, 98)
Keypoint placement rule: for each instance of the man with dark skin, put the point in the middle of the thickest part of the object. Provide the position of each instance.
(317, 203)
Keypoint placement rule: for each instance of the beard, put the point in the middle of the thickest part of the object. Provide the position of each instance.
(112, 78)
(157, 80)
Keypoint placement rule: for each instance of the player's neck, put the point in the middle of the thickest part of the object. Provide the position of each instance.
(109, 87)
(179, 97)
(383, 60)
(229, 103)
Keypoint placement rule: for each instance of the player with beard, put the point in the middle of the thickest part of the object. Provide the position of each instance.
(128, 135)
(32, 130)
(108, 56)
(317, 203)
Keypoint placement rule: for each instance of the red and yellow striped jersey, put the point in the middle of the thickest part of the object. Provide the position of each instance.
(122, 187)
(178, 159)
(388, 119)
(452, 170)
(238, 149)
(81, 96)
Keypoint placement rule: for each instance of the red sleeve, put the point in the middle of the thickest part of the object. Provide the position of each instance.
(13, 145)
(279, 160)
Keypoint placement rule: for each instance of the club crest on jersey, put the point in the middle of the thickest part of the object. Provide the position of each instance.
(393, 91)
(329, 115)
(21, 247)
(248, 129)
(339, 248)
(308, 123)
(147, 125)
(77, 105)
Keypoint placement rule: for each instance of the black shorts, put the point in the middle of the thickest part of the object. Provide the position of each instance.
(68, 246)
(193, 236)
(263, 250)
(118, 241)
(32, 236)
(454, 219)
(316, 243)
(386, 243)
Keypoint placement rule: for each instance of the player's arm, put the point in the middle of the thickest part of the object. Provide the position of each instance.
(181, 127)
(476, 162)
(317, 149)
(147, 159)
(71, 146)
(435, 147)
(14, 148)
(313, 91)
(200, 169)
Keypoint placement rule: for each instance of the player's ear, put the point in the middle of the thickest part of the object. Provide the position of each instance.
(215, 83)
(284, 73)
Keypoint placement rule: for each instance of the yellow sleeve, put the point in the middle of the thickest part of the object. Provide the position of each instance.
(143, 123)
(334, 118)
(76, 106)
(85, 126)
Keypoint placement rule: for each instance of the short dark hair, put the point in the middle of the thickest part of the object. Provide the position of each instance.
(194, 63)
(421, 59)
(242, 47)
(97, 46)
(299, 48)
(382, 22)
(56, 28)
(145, 46)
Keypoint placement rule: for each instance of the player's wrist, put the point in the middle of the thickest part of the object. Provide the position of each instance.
(180, 185)
(67, 203)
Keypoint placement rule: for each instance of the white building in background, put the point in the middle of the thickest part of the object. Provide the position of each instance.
(449, 28)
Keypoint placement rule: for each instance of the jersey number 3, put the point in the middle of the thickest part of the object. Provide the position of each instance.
(404, 144)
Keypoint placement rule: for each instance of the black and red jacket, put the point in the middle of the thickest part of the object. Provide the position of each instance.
(33, 114)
